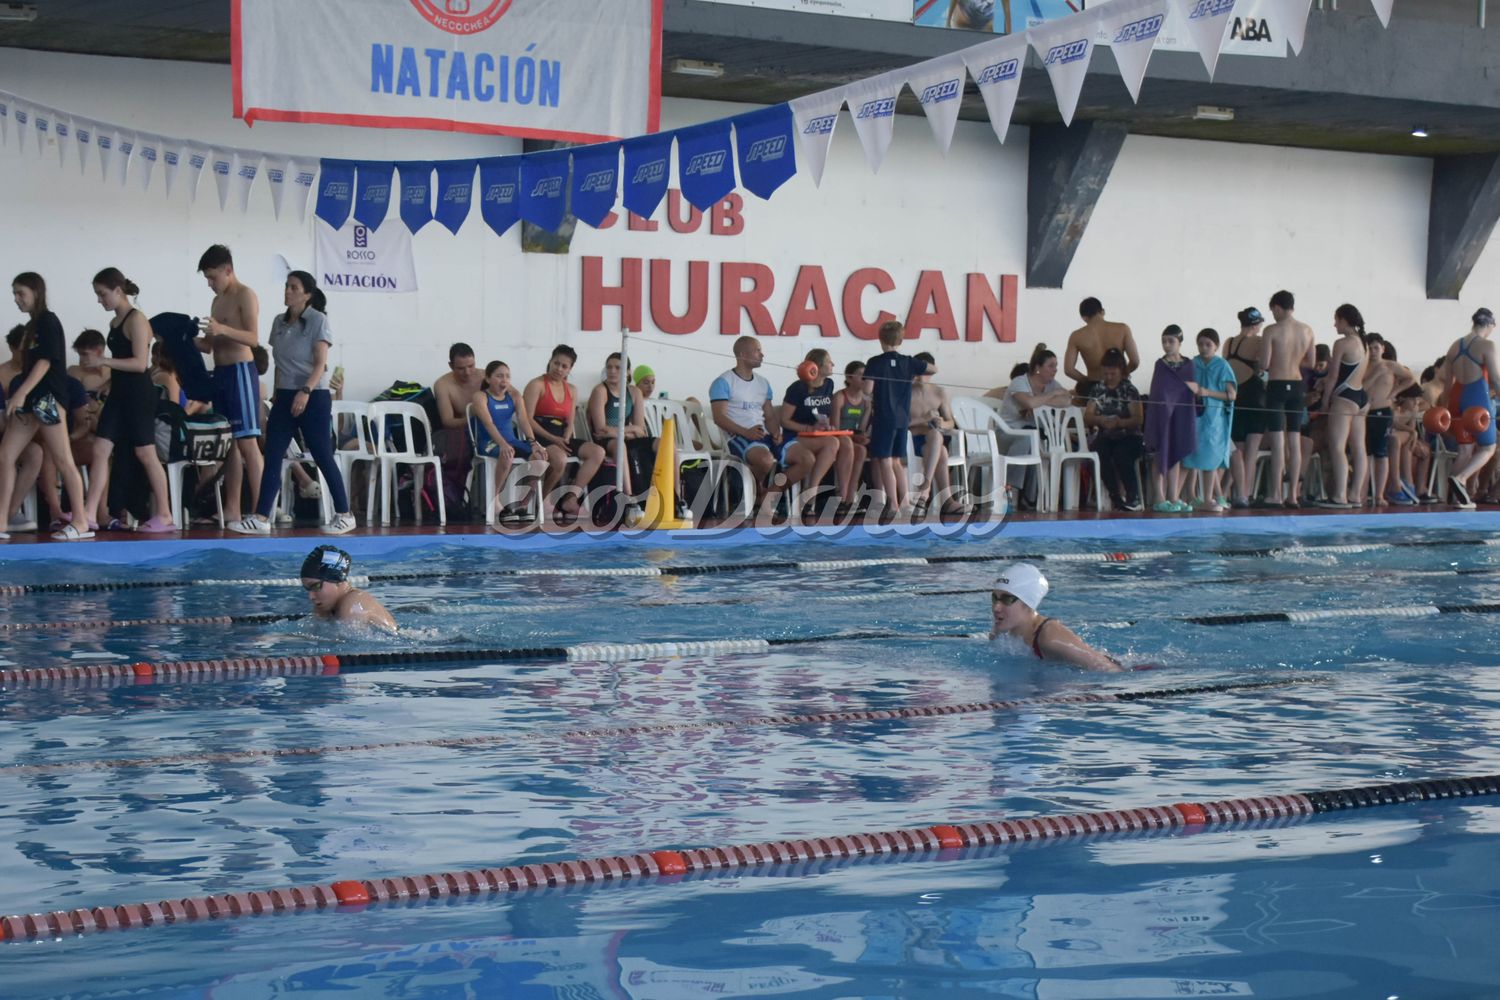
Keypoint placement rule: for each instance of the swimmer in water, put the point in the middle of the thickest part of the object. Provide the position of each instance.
(1014, 600)
(325, 577)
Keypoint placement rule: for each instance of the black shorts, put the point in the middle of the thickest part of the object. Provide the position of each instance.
(1378, 432)
(1286, 406)
(1249, 410)
(128, 421)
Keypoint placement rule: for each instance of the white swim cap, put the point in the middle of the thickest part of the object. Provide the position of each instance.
(1025, 581)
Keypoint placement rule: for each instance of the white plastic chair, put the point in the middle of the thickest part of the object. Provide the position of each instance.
(977, 427)
(175, 473)
(688, 439)
(411, 417)
(1062, 439)
(351, 418)
(287, 498)
(487, 468)
(916, 465)
(712, 435)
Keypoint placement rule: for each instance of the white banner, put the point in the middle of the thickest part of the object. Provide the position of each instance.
(1131, 28)
(1291, 15)
(173, 156)
(1208, 23)
(1065, 48)
(816, 116)
(939, 86)
(198, 158)
(872, 102)
(41, 121)
(359, 259)
(1383, 11)
(147, 153)
(576, 70)
(996, 68)
(104, 142)
(245, 167)
(221, 165)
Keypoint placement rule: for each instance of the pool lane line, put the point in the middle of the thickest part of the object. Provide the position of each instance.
(810, 566)
(655, 729)
(943, 841)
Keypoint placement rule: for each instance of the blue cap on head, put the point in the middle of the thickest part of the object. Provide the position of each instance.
(327, 562)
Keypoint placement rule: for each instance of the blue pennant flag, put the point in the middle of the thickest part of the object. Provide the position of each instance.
(499, 192)
(372, 193)
(647, 166)
(416, 194)
(705, 164)
(335, 192)
(766, 146)
(455, 192)
(596, 179)
(544, 188)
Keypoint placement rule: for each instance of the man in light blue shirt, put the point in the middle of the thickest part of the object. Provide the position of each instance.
(741, 403)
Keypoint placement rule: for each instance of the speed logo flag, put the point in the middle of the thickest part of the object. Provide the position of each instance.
(996, 68)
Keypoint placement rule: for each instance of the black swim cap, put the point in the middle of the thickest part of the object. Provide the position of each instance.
(327, 563)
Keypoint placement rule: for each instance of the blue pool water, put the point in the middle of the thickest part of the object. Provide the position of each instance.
(1400, 901)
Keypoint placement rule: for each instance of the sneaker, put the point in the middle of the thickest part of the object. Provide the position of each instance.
(1134, 505)
(1238, 504)
(341, 524)
(1427, 498)
(1458, 495)
(251, 525)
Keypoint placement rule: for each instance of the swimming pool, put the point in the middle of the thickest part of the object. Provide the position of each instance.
(1400, 900)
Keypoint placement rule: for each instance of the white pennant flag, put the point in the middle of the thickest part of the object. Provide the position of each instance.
(104, 142)
(21, 114)
(41, 120)
(85, 134)
(1131, 28)
(815, 117)
(147, 153)
(996, 68)
(5, 102)
(276, 171)
(939, 86)
(1207, 23)
(124, 153)
(198, 158)
(221, 165)
(300, 180)
(1065, 47)
(173, 155)
(62, 131)
(1383, 11)
(872, 102)
(1291, 15)
(245, 167)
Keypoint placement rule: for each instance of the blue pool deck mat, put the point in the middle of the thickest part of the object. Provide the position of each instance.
(168, 550)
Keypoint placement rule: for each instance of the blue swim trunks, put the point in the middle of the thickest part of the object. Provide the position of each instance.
(237, 398)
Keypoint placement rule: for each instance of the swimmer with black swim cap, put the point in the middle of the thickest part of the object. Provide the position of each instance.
(325, 577)
(1017, 592)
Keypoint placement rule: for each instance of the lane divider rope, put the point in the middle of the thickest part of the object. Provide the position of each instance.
(810, 566)
(654, 729)
(943, 841)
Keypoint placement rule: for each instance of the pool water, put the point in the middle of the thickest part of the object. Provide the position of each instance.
(1399, 901)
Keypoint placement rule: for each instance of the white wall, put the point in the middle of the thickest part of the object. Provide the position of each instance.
(1185, 232)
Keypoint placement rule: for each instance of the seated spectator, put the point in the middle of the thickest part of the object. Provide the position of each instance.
(502, 430)
(30, 463)
(452, 393)
(604, 423)
(808, 406)
(645, 381)
(740, 400)
(851, 409)
(164, 376)
(81, 437)
(10, 371)
(1037, 387)
(1115, 415)
(549, 402)
(1411, 459)
(94, 377)
(930, 417)
(1016, 371)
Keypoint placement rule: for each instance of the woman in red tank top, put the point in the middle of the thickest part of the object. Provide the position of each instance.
(549, 400)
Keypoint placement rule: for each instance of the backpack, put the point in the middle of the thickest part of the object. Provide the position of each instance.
(202, 437)
(409, 392)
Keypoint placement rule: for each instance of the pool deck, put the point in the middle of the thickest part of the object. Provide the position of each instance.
(124, 548)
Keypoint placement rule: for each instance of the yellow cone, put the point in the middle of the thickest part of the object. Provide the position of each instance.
(661, 500)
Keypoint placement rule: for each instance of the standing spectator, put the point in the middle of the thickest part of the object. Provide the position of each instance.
(1347, 401)
(128, 420)
(808, 406)
(1315, 421)
(229, 334)
(1287, 350)
(930, 417)
(1243, 352)
(549, 401)
(502, 430)
(452, 393)
(604, 421)
(1383, 380)
(1472, 369)
(1172, 420)
(1036, 386)
(851, 411)
(1114, 413)
(1215, 384)
(891, 374)
(34, 409)
(1091, 342)
(300, 338)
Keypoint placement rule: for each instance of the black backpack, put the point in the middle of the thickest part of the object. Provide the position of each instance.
(408, 392)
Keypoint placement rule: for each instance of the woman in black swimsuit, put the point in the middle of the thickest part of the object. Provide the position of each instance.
(1018, 591)
(1243, 352)
(1344, 389)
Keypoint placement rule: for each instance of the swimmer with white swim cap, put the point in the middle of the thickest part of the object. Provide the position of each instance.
(1017, 592)
(325, 577)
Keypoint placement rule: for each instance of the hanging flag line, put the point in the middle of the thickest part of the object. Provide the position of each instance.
(940, 842)
(656, 729)
(543, 188)
(804, 566)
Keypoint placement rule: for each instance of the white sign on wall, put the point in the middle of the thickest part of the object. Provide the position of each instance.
(360, 259)
(883, 10)
(576, 70)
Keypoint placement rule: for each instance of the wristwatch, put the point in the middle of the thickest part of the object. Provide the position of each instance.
(305, 389)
